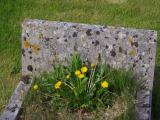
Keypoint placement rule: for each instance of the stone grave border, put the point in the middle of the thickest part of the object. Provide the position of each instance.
(123, 47)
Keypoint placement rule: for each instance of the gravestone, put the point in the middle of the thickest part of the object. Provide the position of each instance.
(45, 43)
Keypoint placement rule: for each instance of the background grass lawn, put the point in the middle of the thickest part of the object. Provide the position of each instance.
(128, 13)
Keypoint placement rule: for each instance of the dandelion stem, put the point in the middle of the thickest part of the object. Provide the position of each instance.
(71, 87)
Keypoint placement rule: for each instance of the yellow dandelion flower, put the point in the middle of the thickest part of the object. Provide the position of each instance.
(35, 87)
(77, 72)
(58, 85)
(68, 76)
(35, 48)
(81, 76)
(84, 69)
(26, 44)
(104, 84)
(93, 65)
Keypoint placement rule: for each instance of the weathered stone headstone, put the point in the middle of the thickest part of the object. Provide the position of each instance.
(45, 43)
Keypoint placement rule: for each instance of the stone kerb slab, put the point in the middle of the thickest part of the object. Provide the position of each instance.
(45, 43)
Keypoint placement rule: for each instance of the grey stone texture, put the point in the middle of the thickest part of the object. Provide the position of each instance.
(45, 43)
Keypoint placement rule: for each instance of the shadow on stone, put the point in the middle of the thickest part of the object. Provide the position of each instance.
(156, 95)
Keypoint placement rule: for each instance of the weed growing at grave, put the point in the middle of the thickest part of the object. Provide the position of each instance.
(82, 86)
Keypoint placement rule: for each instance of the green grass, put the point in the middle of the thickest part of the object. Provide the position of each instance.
(133, 13)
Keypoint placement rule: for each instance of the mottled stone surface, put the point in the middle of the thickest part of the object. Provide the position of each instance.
(45, 43)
